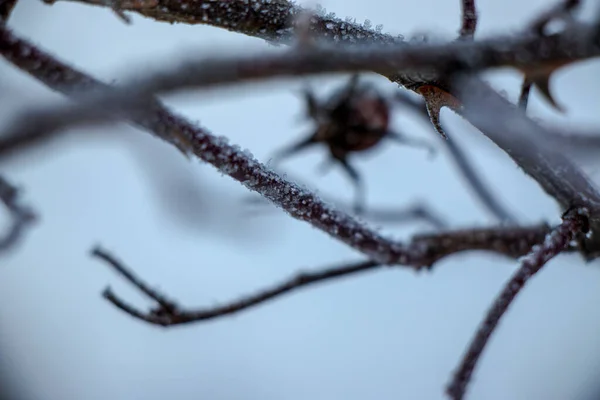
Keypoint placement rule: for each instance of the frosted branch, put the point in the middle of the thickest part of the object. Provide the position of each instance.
(216, 151)
(574, 223)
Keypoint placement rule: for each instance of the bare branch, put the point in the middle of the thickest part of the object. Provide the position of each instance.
(168, 313)
(574, 222)
(229, 159)
(568, 46)
(526, 142)
(469, 19)
(428, 249)
(21, 216)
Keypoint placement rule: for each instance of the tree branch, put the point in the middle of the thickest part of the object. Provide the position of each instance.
(526, 142)
(568, 46)
(229, 159)
(427, 249)
(574, 223)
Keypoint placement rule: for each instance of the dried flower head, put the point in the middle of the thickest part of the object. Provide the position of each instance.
(354, 119)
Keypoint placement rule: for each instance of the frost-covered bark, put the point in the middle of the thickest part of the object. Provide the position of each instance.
(574, 222)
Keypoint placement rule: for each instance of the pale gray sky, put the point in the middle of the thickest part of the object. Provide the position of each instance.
(386, 335)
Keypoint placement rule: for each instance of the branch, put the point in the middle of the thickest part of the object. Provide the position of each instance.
(574, 223)
(228, 159)
(168, 313)
(21, 216)
(526, 143)
(275, 20)
(571, 45)
(428, 249)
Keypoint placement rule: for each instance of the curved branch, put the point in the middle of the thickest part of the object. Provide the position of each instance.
(428, 249)
(555, 242)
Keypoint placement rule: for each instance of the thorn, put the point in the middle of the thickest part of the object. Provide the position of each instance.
(434, 111)
(542, 83)
(435, 99)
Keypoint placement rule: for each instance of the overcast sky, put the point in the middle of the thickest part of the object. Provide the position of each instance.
(391, 334)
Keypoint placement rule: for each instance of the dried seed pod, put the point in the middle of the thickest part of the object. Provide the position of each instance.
(354, 119)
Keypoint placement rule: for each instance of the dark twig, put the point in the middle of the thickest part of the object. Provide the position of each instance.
(469, 19)
(21, 215)
(474, 181)
(168, 313)
(574, 223)
(427, 249)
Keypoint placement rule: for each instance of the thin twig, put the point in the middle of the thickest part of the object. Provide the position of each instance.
(469, 19)
(555, 242)
(427, 250)
(21, 215)
(168, 313)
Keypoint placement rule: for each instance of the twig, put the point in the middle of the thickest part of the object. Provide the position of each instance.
(469, 19)
(168, 313)
(21, 216)
(418, 211)
(428, 249)
(460, 158)
(574, 223)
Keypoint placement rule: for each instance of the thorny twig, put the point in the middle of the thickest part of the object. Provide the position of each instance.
(427, 249)
(574, 223)
(21, 216)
